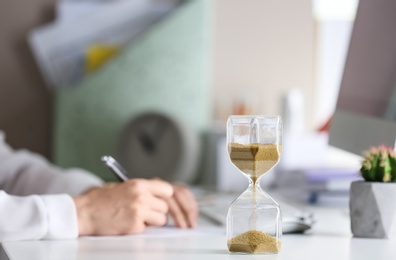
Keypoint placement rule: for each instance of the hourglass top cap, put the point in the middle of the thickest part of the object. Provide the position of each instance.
(256, 116)
(251, 119)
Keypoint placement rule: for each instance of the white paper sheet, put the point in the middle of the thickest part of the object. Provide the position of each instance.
(161, 232)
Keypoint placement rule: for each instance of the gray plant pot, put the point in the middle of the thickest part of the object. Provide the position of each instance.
(373, 209)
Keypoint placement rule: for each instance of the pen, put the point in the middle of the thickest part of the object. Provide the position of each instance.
(119, 172)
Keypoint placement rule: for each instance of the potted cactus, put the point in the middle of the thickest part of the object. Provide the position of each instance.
(373, 200)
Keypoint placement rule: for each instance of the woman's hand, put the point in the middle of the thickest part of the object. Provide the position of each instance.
(126, 208)
(183, 207)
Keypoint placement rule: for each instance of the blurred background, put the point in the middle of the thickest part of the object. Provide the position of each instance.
(76, 76)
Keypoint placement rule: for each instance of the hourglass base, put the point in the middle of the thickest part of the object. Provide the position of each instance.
(253, 253)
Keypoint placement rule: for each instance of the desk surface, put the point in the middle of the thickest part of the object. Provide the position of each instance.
(330, 238)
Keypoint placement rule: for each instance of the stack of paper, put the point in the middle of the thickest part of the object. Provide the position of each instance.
(64, 49)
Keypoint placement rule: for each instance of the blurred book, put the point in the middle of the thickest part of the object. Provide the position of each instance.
(318, 186)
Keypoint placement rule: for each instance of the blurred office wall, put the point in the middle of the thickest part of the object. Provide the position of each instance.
(25, 102)
(262, 50)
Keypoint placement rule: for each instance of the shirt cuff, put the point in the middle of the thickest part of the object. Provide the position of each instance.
(75, 181)
(61, 217)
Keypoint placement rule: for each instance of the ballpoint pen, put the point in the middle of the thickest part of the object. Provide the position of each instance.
(119, 172)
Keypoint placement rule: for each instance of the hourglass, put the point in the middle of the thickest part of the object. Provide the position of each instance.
(254, 218)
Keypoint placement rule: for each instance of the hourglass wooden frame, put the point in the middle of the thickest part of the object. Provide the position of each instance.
(254, 224)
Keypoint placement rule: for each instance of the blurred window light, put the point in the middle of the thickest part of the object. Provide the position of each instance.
(335, 9)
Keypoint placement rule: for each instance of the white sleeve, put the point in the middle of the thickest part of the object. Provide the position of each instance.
(26, 209)
(25, 173)
(37, 217)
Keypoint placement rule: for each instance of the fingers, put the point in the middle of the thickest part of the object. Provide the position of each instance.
(150, 197)
(183, 207)
(160, 188)
(187, 204)
(155, 187)
(157, 204)
(155, 218)
(177, 214)
(157, 197)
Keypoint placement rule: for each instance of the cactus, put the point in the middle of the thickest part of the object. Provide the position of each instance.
(379, 164)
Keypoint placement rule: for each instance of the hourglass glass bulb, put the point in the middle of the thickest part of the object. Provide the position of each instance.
(254, 218)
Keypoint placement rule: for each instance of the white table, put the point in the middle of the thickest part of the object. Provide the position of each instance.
(330, 238)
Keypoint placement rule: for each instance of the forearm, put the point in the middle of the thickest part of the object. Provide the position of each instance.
(34, 175)
(25, 173)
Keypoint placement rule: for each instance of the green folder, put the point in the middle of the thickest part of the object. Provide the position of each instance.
(167, 69)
